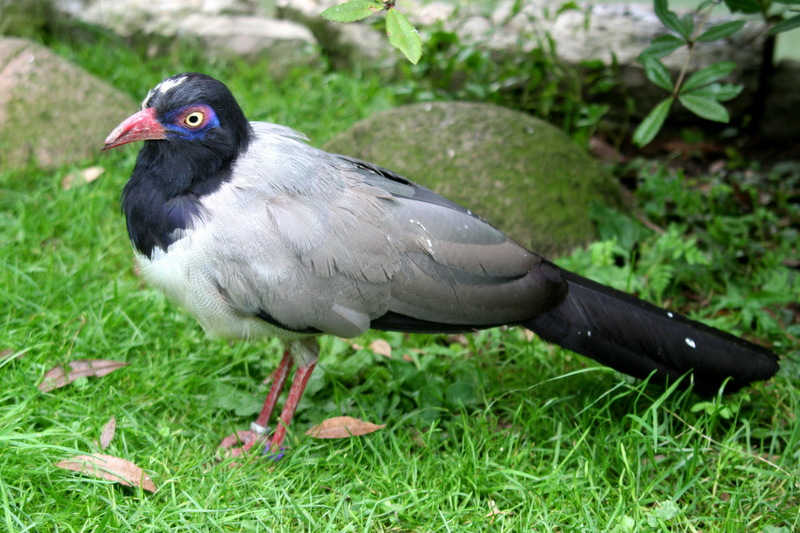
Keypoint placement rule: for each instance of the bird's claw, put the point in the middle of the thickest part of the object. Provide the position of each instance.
(274, 456)
(245, 441)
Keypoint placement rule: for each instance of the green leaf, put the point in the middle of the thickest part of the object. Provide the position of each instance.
(656, 72)
(785, 25)
(745, 6)
(232, 399)
(687, 26)
(591, 114)
(668, 18)
(403, 35)
(704, 106)
(652, 123)
(720, 31)
(721, 92)
(667, 510)
(708, 75)
(661, 46)
(351, 11)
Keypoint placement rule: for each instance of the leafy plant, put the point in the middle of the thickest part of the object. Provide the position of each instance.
(402, 34)
(726, 235)
(701, 93)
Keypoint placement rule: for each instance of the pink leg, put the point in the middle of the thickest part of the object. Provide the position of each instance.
(278, 382)
(248, 439)
(295, 393)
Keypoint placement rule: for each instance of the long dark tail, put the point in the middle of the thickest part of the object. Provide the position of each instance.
(637, 338)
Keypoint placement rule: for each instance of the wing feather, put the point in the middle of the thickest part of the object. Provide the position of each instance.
(325, 242)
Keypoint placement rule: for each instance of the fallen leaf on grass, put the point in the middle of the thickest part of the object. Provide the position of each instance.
(58, 377)
(110, 468)
(6, 353)
(342, 427)
(107, 435)
(381, 347)
(378, 346)
(87, 175)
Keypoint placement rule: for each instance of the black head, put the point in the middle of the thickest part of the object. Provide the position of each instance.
(195, 107)
(193, 130)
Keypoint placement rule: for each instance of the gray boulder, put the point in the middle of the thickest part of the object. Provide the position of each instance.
(225, 28)
(286, 44)
(520, 173)
(51, 111)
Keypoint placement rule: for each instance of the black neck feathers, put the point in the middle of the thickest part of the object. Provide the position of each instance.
(171, 176)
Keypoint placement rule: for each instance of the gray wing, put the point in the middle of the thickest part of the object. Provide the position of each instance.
(326, 243)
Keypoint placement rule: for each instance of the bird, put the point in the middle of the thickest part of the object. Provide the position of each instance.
(258, 234)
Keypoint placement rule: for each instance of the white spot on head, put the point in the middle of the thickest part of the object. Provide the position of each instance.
(669, 314)
(690, 343)
(163, 87)
(589, 333)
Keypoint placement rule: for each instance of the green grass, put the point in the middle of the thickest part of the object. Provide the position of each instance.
(491, 432)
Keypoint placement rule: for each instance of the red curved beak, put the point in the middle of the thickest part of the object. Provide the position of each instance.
(139, 127)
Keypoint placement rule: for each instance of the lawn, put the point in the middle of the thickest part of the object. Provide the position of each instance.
(492, 431)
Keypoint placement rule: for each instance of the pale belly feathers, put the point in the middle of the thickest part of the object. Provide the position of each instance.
(183, 275)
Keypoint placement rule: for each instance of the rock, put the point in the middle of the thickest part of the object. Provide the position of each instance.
(51, 111)
(224, 28)
(286, 44)
(98, 10)
(520, 173)
(305, 9)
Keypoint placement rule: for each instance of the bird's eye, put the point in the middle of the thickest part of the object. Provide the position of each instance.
(194, 119)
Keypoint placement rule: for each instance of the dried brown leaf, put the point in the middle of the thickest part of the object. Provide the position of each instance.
(110, 468)
(58, 377)
(87, 175)
(381, 347)
(6, 353)
(107, 435)
(378, 346)
(342, 427)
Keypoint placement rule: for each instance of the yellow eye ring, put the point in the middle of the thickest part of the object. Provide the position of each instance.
(195, 119)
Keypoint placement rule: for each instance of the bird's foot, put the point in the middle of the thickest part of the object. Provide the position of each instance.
(281, 451)
(242, 442)
(245, 440)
